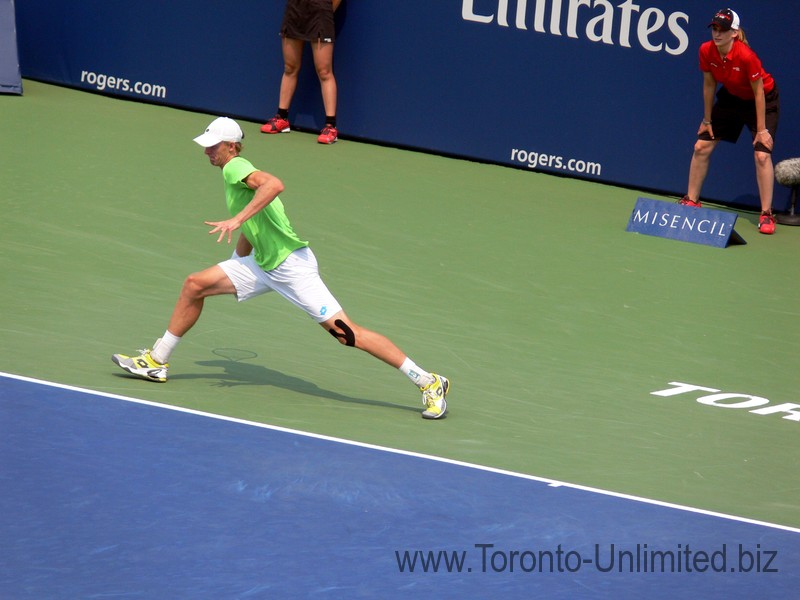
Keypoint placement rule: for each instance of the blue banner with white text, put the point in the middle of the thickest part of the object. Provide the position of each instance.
(10, 77)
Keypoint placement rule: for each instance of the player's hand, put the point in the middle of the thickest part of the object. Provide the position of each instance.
(706, 127)
(223, 227)
(765, 137)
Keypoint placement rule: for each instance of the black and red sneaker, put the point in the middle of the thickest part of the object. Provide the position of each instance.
(276, 124)
(686, 201)
(328, 135)
(766, 223)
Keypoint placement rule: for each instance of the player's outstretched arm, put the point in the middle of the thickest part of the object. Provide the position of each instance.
(267, 188)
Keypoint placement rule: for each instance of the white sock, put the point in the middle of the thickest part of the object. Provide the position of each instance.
(418, 376)
(163, 347)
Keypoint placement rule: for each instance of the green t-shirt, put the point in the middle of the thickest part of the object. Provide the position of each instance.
(269, 230)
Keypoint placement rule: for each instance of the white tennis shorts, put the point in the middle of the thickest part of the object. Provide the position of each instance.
(296, 279)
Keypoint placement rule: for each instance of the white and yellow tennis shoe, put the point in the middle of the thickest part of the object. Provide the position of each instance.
(142, 366)
(434, 397)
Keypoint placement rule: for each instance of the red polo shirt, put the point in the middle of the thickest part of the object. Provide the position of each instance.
(736, 70)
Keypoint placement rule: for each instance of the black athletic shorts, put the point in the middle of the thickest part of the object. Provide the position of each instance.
(309, 20)
(730, 114)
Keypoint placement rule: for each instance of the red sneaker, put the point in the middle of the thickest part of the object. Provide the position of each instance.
(328, 135)
(766, 223)
(276, 125)
(686, 201)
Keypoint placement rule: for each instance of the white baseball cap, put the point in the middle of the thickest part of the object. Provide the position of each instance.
(222, 129)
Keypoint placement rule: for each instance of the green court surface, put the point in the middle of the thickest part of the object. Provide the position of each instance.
(554, 324)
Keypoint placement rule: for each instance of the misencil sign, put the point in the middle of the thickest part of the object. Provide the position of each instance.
(685, 223)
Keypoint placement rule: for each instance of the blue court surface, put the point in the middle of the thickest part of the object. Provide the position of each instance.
(103, 496)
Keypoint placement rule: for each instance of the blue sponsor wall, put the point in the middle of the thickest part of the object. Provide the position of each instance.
(598, 89)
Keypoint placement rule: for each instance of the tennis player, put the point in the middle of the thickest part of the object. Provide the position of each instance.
(748, 97)
(269, 257)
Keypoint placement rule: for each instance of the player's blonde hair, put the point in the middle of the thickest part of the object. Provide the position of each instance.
(742, 36)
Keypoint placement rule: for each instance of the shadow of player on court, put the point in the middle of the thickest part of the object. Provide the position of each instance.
(236, 372)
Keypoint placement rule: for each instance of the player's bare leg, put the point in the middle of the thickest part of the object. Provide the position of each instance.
(149, 364)
(698, 168)
(196, 288)
(434, 387)
(350, 334)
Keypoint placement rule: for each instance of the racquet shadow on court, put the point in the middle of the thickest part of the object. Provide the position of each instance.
(236, 372)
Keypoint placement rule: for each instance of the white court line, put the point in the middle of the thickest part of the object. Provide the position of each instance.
(550, 482)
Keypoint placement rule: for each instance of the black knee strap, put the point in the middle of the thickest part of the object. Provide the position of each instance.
(348, 336)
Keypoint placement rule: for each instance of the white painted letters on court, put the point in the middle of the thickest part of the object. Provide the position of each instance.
(720, 399)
